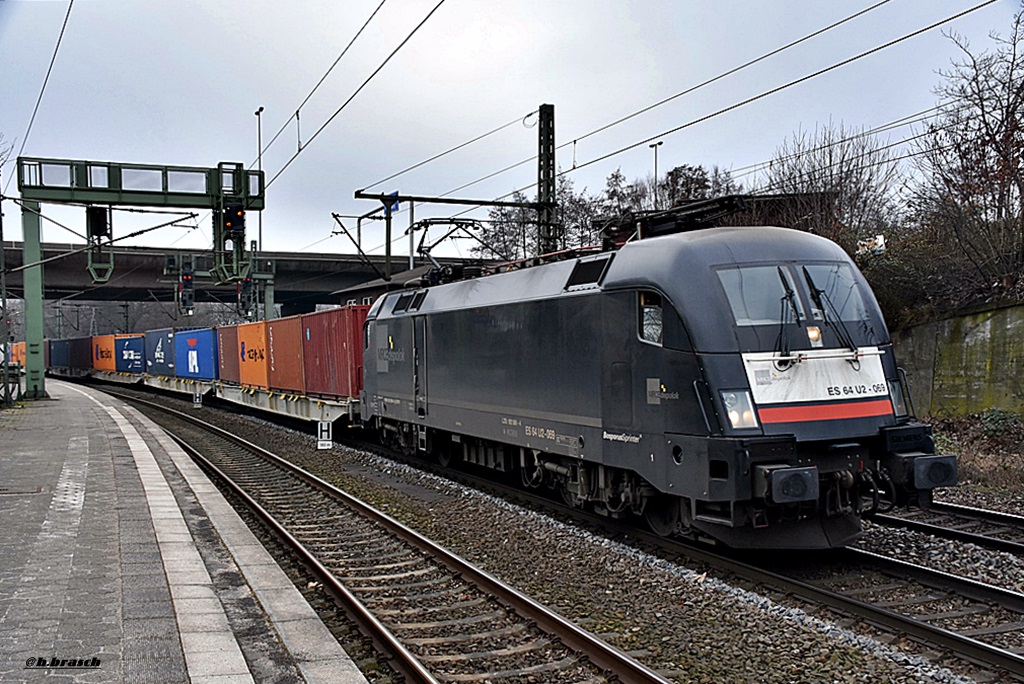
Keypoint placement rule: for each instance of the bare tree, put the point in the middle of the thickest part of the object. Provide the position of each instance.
(576, 212)
(6, 149)
(843, 183)
(510, 233)
(687, 183)
(971, 199)
(621, 196)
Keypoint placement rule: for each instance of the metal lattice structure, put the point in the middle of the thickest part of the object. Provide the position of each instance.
(101, 186)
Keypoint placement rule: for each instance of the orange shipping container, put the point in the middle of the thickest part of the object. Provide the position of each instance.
(103, 357)
(18, 353)
(253, 366)
(284, 352)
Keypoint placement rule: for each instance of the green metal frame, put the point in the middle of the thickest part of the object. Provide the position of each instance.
(77, 181)
(138, 185)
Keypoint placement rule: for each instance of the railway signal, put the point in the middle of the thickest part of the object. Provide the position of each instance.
(100, 260)
(247, 298)
(186, 291)
(234, 219)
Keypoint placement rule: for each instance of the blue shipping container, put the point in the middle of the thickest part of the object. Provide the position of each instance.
(60, 354)
(129, 354)
(160, 352)
(195, 354)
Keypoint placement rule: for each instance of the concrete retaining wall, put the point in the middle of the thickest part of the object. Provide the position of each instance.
(965, 364)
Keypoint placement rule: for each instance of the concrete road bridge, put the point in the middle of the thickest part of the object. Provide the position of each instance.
(301, 280)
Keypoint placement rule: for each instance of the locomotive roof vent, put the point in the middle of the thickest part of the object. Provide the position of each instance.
(409, 302)
(588, 272)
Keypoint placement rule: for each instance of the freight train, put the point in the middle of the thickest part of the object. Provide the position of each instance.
(732, 384)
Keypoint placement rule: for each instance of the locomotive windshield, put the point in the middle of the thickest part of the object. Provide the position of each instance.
(836, 281)
(757, 295)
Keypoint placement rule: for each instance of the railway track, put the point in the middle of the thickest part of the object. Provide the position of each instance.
(438, 617)
(967, 619)
(979, 622)
(971, 620)
(974, 621)
(988, 529)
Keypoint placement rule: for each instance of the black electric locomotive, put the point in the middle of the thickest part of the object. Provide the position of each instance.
(731, 383)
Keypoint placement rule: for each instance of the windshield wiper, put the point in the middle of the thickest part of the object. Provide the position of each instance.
(825, 305)
(782, 341)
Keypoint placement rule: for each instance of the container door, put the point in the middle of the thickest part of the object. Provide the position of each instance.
(419, 364)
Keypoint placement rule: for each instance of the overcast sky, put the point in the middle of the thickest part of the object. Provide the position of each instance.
(178, 83)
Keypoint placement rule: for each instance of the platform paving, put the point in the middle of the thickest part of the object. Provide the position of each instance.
(121, 562)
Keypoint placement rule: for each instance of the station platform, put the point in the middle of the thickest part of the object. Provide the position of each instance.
(121, 562)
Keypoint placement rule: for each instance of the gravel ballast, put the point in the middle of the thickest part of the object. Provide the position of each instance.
(691, 626)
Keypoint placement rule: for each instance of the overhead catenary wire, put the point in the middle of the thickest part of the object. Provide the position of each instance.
(769, 189)
(46, 79)
(755, 98)
(323, 78)
(730, 72)
(786, 86)
(356, 93)
(671, 98)
(24, 206)
(451, 150)
(908, 120)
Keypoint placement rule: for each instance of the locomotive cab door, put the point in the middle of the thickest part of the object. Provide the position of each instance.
(419, 365)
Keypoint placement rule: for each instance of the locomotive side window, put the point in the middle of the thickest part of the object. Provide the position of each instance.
(650, 317)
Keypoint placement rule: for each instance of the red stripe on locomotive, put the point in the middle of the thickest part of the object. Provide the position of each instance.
(829, 411)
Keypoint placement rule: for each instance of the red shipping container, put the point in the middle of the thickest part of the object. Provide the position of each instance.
(252, 355)
(227, 349)
(103, 353)
(284, 352)
(332, 351)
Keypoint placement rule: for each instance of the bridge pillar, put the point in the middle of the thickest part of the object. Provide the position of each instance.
(268, 300)
(32, 253)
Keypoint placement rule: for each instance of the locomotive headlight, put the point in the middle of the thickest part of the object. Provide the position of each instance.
(814, 335)
(739, 408)
(899, 402)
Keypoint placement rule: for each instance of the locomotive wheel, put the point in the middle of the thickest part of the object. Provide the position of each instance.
(448, 454)
(383, 435)
(567, 496)
(662, 515)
